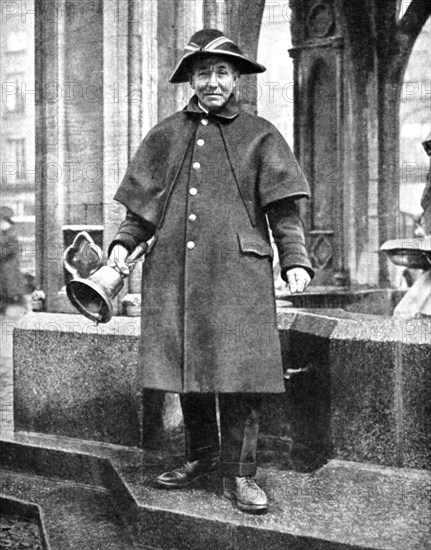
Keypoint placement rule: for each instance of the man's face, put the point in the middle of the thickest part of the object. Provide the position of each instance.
(213, 80)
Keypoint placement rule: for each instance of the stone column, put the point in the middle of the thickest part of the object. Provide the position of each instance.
(50, 124)
(116, 110)
(189, 21)
(319, 112)
(336, 139)
(242, 24)
(70, 136)
(89, 125)
(137, 17)
(214, 14)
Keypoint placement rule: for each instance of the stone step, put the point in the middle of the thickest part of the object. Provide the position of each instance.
(341, 506)
(74, 516)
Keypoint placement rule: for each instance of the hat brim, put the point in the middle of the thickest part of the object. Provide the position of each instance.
(243, 64)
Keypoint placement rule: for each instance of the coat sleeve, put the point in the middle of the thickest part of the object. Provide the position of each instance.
(288, 232)
(133, 231)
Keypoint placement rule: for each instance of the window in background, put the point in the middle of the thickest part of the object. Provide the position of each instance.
(12, 93)
(14, 161)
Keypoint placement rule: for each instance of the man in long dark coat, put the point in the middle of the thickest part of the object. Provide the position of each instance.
(204, 182)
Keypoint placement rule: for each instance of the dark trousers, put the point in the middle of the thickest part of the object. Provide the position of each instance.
(239, 429)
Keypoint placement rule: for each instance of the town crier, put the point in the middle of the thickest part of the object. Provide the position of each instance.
(205, 182)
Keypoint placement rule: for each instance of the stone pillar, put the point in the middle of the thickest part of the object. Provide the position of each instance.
(214, 14)
(319, 113)
(48, 35)
(70, 137)
(116, 112)
(177, 22)
(189, 20)
(149, 65)
(154, 49)
(242, 24)
(96, 104)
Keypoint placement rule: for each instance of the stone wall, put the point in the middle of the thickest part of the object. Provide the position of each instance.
(358, 387)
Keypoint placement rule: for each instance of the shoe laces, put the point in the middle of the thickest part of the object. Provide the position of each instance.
(250, 488)
(249, 481)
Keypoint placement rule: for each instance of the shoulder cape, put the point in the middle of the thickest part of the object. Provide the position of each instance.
(263, 165)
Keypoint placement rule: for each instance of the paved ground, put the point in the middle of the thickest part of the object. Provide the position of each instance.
(8, 321)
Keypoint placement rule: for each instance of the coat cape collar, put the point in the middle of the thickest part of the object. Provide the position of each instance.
(230, 110)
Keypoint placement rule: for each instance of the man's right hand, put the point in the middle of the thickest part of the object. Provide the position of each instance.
(117, 259)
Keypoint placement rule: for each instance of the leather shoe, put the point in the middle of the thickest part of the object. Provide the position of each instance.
(187, 474)
(246, 494)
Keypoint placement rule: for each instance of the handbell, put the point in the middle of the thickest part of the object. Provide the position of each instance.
(93, 296)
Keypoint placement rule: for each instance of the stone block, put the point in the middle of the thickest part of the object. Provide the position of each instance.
(76, 379)
(296, 426)
(415, 379)
(380, 391)
(362, 391)
(363, 407)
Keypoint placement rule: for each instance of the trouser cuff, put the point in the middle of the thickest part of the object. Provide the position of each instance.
(230, 469)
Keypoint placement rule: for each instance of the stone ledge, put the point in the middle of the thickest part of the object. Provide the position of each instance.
(362, 393)
(342, 506)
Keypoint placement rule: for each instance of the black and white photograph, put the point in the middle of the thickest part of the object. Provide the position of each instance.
(215, 275)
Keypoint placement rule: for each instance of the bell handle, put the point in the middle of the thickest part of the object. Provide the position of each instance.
(139, 251)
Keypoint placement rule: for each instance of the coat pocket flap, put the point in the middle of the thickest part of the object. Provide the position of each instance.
(255, 244)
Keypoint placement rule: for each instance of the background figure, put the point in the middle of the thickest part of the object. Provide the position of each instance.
(11, 280)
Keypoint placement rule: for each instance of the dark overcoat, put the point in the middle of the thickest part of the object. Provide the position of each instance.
(208, 306)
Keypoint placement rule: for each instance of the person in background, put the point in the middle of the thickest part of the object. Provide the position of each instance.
(11, 280)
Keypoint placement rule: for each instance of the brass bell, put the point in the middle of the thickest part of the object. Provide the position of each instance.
(92, 296)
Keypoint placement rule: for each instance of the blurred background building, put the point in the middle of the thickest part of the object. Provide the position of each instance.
(17, 135)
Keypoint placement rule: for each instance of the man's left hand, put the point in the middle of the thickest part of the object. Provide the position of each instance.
(298, 279)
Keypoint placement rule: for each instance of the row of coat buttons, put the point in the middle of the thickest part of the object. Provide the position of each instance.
(193, 191)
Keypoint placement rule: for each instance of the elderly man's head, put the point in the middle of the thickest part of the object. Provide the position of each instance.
(213, 78)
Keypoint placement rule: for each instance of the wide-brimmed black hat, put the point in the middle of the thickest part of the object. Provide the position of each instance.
(212, 42)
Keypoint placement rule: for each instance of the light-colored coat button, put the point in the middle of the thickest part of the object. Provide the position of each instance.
(193, 191)
(196, 165)
(204, 121)
(200, 142)
(190, 245)
(192, 217)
